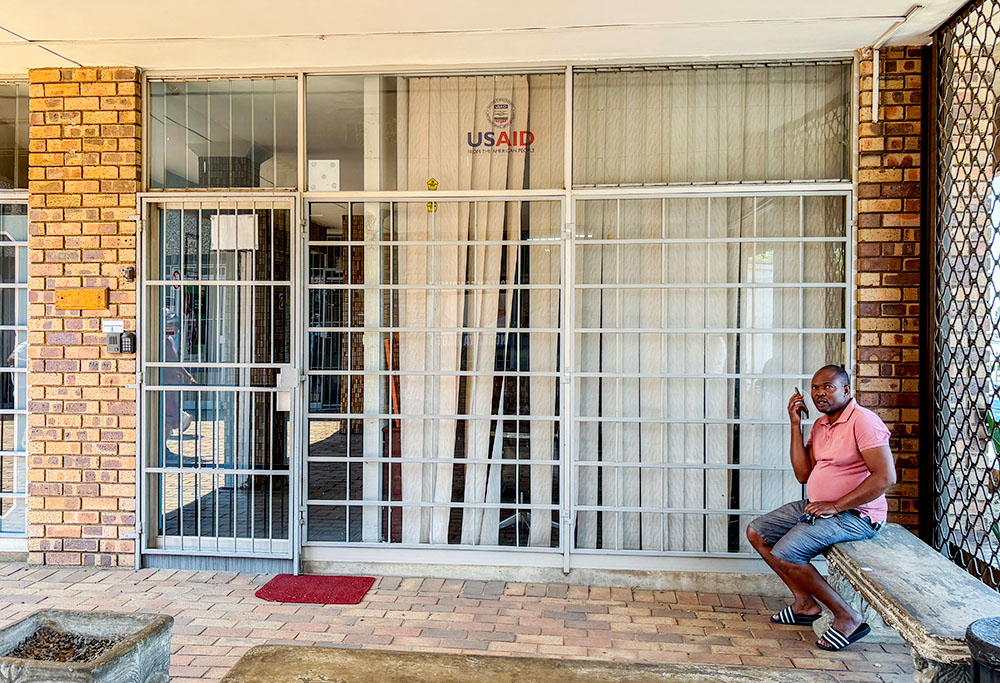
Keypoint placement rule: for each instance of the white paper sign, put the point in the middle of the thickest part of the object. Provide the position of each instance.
(324, 175)
(283, 402)
(112, 326)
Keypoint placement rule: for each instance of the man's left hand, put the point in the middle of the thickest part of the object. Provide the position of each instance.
(824, 509)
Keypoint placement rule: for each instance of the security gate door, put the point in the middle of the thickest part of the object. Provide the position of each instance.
(220, 378)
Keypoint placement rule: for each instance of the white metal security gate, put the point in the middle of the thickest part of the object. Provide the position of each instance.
(220, 377)
(434, 410)
(695, 315)
(507, 392)
(632, 400)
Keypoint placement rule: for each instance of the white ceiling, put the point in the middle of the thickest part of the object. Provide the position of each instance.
(387, 34)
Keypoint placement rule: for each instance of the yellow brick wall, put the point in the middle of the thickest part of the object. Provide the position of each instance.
(83, 175)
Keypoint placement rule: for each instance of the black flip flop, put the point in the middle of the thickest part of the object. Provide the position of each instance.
(838, 641)
(790, 618)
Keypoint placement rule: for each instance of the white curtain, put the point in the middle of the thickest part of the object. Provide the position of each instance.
(464, 279)
(695, 126)
(506, 172)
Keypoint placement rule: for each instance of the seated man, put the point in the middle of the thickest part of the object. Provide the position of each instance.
(847, 467)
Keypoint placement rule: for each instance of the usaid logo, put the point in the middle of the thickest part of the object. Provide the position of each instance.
(500, 114)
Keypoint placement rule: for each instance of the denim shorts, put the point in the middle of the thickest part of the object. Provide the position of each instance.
(798, 542)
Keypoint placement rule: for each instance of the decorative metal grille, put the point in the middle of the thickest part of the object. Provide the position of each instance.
(966, 394)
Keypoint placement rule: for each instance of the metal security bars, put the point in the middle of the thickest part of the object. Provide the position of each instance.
(13, 367)
(433, 360)
(695, 317)
(222, 133)
(220, 383)
(966, 314)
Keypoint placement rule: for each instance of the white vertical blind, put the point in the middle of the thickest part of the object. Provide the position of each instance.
(683, 383)
(710, 125)
(546, 119)
(694, 125)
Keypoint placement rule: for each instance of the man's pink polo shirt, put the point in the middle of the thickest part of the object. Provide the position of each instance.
(836, 448)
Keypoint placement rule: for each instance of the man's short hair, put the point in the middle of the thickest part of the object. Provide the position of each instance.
(839, 372)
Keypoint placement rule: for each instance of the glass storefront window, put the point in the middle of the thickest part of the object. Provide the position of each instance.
(423, 356)
(341, 111)
(13, 136)
(239, 133)
(433, 352)
(712, 124)
(435, 132)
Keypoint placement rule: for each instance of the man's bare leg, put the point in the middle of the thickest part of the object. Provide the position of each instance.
(809, 588)
(845, 618)
(804, 602)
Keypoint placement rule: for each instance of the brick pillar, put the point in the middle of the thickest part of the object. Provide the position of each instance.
(83, 177)
(888, 261)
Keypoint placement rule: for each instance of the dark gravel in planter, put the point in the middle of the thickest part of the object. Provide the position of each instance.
(51, 645)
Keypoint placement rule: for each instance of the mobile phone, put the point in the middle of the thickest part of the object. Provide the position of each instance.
(803, 411)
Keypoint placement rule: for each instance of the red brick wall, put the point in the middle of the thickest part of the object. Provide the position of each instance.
(83, 177)
(888, 261)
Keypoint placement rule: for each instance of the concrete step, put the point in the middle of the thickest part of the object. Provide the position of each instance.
(295, 664)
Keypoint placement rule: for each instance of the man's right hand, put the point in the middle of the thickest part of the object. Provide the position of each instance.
(796, 406)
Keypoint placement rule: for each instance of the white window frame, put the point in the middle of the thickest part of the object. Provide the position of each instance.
(17, 541)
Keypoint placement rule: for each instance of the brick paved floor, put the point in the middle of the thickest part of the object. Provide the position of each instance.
(217, 618)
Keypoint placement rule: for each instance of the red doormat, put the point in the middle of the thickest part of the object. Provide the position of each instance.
(309, 588)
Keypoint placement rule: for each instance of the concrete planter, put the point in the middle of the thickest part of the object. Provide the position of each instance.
(141, 655)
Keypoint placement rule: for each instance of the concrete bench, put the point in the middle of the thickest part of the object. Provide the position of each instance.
(927, 599)
(300, 663)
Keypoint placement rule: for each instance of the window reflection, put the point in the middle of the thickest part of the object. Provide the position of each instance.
(439, 128)
(13, 136)
(223, 133)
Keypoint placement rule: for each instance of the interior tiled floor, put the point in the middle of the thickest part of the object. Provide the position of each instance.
(217, 618)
